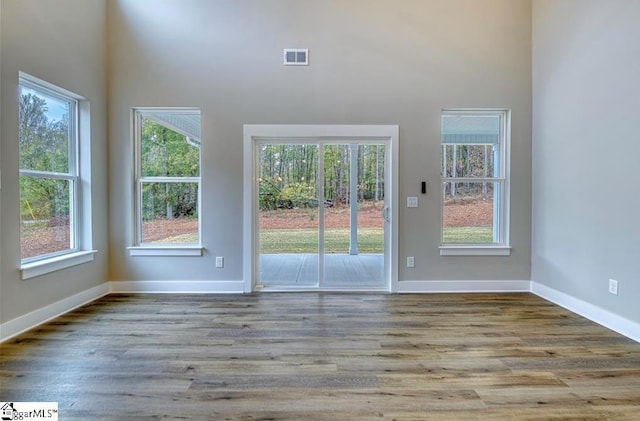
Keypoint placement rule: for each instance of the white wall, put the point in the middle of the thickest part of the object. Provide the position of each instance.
(372, 62)
(62, 42)
(0, 163)
(586, 150)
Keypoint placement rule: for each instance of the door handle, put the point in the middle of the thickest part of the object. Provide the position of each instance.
(385, 214)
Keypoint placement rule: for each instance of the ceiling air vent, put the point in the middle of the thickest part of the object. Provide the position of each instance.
(296, 57)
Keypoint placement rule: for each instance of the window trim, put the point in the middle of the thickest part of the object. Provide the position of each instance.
(138, 247)
(163, 250)
(55, 263)
(78, 176)
(502, 246)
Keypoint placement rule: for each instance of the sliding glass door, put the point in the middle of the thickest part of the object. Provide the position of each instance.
(321, 214)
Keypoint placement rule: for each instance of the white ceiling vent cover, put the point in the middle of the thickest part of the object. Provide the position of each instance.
(296, 57)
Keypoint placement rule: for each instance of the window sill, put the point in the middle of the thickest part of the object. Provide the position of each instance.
(165, 251)
(475, 251)
(42, 267)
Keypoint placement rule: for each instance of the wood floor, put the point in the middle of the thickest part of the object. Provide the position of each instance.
(311, 356)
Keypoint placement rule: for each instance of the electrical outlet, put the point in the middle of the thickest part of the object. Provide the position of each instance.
(412, 202)
(219, 262)
(411, 262)
(613, 286)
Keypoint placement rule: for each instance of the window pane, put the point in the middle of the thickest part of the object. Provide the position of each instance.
(170, 213)
(43, 131)
(167, 153)
(471, 129)
(468, 213)
(45, 209)
(469, 161)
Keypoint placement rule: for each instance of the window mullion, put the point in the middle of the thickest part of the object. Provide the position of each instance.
(473, 179)
(169, 179)
(47, 174)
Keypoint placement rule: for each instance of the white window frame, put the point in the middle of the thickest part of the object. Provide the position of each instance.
(140, 248)
(501, 236)
(79, 250)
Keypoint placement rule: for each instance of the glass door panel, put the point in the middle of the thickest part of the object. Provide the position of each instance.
(288, 204)
(353, 224)
(371, 213)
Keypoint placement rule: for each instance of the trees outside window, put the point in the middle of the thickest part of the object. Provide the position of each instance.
(474, 177)
(167, 176)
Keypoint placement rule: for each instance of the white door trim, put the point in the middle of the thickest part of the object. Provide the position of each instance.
(298, 133)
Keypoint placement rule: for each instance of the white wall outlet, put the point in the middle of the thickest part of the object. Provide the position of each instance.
(412, 202)
(219, 262)
(411, 262)
(613, 286)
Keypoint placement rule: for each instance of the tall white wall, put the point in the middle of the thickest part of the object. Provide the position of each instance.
(62, 42)
(372, 62)
(0, 162)
(586, 150)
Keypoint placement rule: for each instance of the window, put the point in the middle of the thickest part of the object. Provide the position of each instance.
(167, 179)
(50, 205)
(475, 191)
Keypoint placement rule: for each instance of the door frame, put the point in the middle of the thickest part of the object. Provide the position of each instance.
(331, 133)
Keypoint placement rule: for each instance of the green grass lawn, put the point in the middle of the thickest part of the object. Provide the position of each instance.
(468, 235)
(336, 240)
(370, 240)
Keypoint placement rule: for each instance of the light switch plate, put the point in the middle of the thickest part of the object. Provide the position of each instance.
(412, 202)
(613, 286)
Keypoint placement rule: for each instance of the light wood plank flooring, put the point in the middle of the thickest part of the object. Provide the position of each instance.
(309, 356)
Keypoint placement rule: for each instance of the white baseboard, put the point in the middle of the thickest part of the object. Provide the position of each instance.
(178, 287)
(617, 323)
(463, 286)
(42, 315)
